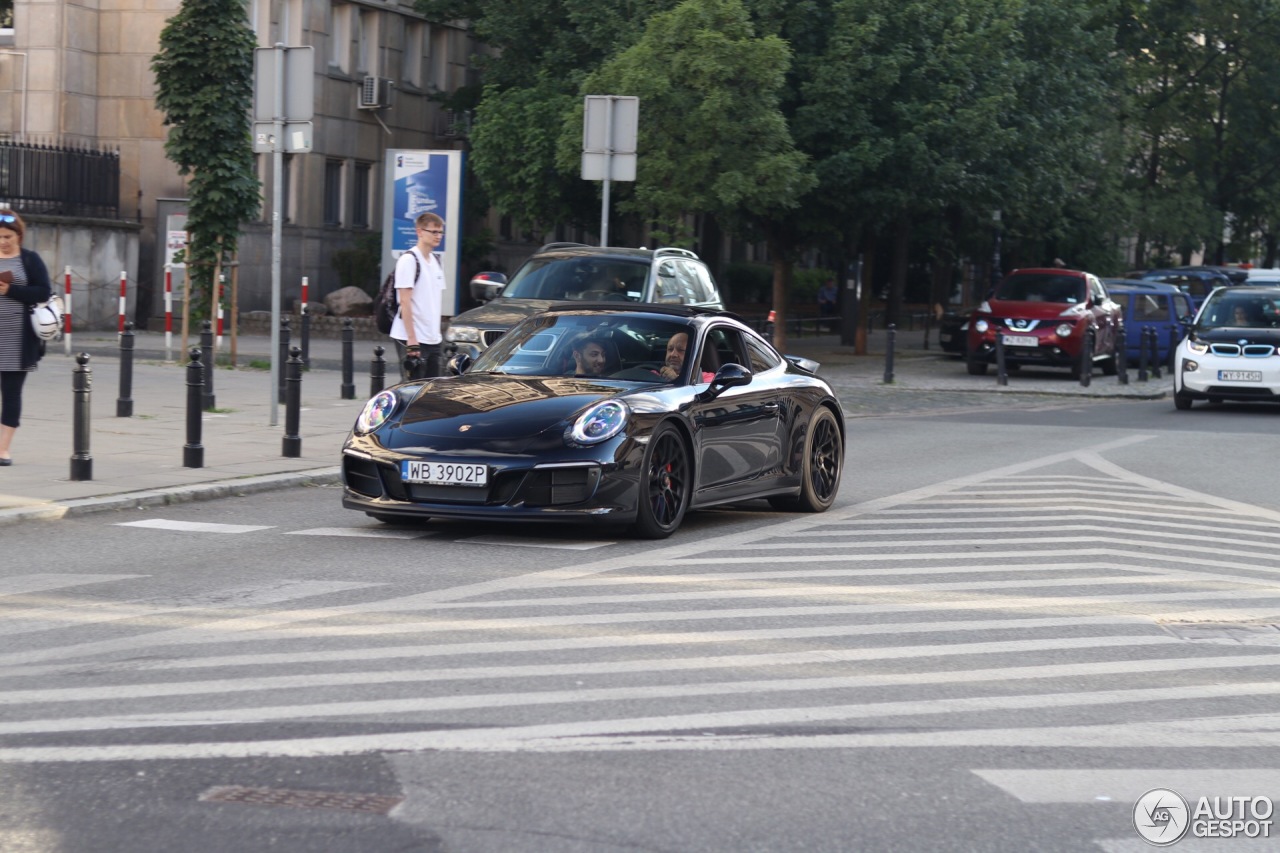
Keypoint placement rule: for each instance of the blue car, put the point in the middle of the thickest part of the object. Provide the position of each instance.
(1197, 283)
(1150, 304)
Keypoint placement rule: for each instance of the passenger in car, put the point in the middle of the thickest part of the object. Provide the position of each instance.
(677, 347)
(590, 355)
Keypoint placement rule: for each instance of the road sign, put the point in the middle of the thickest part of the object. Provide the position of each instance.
(299, 83)
(296, 139)
(609, 128)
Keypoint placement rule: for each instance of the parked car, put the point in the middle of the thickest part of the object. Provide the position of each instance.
(1230, 352)
(1151, 305)
(572, 271)
(1263, 275)
(1050, 317)
(1235, 275)
(953, 330)
(518, 436)
(1196, 283)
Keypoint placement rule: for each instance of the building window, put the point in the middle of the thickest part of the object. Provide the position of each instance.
(366, 37)
(333, 192)
(360, 185)
(414, 53)
(6, 15)
(340, 37)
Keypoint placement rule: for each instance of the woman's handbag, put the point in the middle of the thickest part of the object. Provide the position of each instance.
(46, 318)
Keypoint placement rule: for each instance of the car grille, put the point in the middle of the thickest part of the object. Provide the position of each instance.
(1248, 350)
(537, 488)
(361, 476)
(1017, 325)
(491, 336)
(1239, 391)
(558, 486)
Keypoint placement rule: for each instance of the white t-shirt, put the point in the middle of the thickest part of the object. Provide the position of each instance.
(427, 296)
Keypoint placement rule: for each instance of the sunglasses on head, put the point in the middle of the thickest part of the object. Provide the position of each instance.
(8, 217)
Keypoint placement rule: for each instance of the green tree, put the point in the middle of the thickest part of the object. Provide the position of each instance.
(204, 86)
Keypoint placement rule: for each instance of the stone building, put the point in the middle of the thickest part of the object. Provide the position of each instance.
(78, 73)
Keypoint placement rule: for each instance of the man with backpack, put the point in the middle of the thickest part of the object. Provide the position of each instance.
(419, 285)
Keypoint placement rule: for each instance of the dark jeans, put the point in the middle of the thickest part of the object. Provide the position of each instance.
(11, 396)
(430, 367)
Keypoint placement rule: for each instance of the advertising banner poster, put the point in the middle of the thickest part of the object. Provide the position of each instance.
(417, 182)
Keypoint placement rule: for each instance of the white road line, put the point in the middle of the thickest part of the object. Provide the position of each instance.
(1017, 524)
(45, 581)
(194, 526)
(61, 613)
(12, 698)
(629, 734)
(1126, 785)
(363, 532)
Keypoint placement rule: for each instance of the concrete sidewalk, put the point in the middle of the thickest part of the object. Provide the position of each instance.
(138, 461)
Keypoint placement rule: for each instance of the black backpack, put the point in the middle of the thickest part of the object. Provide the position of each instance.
(387, 305)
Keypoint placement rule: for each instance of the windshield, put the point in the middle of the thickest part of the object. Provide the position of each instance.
(579, 278)
(1042, 288)
(1231, 308)
(606, 347)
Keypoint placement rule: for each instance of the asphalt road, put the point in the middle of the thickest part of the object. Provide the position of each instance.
(1020, 616)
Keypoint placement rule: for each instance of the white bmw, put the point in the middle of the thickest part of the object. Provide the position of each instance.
(1232, 350)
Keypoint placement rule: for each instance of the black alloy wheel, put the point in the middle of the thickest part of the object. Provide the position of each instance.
(666, 484)
(823, 461)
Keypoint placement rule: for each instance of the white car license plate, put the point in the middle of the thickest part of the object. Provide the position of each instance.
(443, 473)
(1021, 341)
(1240, 375)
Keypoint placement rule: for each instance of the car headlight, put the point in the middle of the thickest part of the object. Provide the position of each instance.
(1064, 330)
(463, 334)
(1198, 347)
(981, 325)
(599, 423)
(376, 412)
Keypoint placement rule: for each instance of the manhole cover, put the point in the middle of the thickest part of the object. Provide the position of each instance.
(372, 803)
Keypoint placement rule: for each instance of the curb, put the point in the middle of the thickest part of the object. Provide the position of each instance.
(170, 496)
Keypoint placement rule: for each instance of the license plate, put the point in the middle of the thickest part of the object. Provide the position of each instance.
(1240, 375)
(444, 473)
(1021, 341)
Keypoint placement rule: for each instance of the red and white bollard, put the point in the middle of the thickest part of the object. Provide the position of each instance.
(66, 314)
(124, 284)
(168, 312)
(218, 287)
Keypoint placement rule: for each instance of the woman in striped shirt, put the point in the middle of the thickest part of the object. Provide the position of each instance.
(24, 282)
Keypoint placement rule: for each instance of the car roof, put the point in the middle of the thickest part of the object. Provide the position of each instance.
(687, 311)
(1049, 271)
(1121, 285)
(582, 250)
(1185, 271)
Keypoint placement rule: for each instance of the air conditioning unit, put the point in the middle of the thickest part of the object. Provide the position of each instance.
(375, 93)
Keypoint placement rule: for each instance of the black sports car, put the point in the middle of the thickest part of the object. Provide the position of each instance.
(569, 417)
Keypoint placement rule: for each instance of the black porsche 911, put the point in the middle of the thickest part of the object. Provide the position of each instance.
(569, 417)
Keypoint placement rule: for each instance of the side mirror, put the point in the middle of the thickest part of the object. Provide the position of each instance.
(728, 376)
(459, 364)
(486, 286)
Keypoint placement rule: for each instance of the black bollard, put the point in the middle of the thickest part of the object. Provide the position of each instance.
(306, 337)
(81, 380)
(283, 356)
(377, 371)
(1143, 354)
(193, 451)
(1174, 340)
(1002, 368)
(124, 403)
(1086, 360)
(1122, 356)
(348, 364)
(208, 359)
(1155, 352)
(292, 444)
(888, 353)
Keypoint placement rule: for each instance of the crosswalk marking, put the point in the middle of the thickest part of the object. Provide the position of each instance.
(194, 526)
(909, 621)
(1128, 784)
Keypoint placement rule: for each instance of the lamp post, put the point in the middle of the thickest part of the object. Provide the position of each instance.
(995, 254)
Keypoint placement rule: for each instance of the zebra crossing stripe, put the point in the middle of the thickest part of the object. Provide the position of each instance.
(194, 526)
(1126, 785)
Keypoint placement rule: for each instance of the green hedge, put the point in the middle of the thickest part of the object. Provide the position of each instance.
(751, 282)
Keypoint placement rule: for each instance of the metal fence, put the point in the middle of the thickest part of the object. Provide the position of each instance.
(60, 180)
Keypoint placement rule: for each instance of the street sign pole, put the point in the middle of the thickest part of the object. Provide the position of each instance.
(608, 153)
(277, 225)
